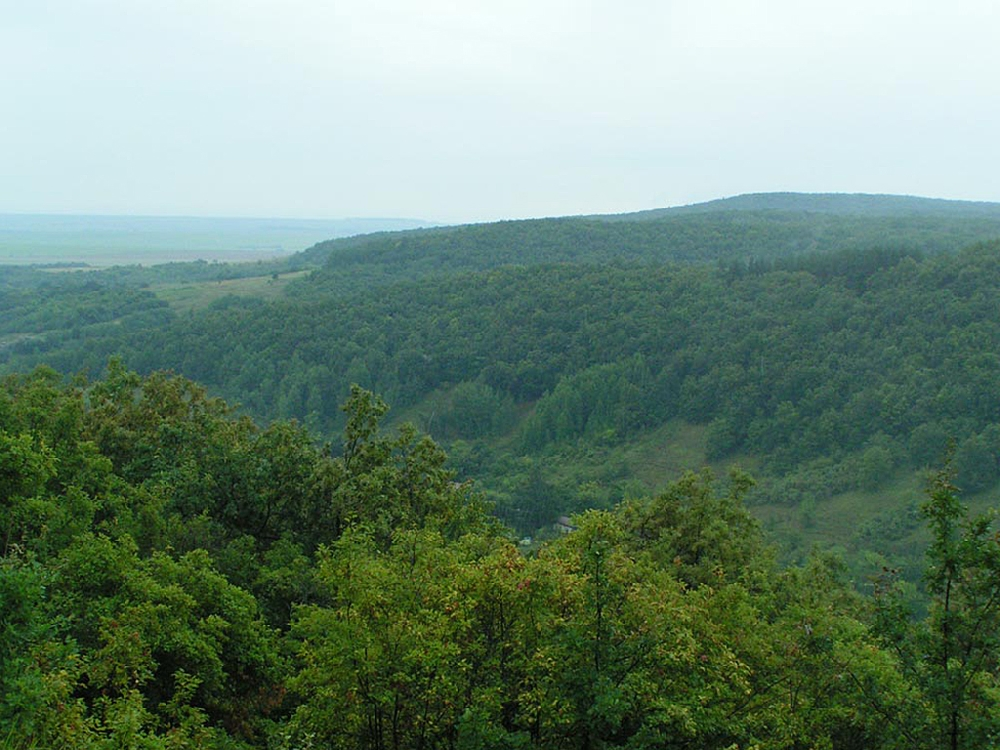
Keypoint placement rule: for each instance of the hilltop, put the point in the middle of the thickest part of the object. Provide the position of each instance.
(856, 204)
(764, 227)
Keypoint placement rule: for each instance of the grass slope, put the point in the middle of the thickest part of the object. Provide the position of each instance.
(184, 297)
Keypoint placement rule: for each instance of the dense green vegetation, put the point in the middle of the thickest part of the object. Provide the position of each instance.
(723, 236)
(835, 350)
(177, 572)
(174, 576)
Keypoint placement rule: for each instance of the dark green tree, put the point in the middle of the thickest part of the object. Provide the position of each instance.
(953, 655)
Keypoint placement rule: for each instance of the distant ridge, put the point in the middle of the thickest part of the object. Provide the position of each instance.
(857, 204)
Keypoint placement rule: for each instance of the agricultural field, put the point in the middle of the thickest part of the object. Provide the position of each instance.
(104, 241)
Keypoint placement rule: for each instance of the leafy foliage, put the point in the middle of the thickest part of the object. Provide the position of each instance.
(174, 575)
(951, 656)
(795, 329)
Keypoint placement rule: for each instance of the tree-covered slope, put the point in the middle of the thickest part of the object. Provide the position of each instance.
(830, 351)
(714, 236)
(172, 575)
(876, 358)
(848, 204)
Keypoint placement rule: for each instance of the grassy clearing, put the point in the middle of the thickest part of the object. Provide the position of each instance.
(196, 296)
(10, 339)
(667, 452)
(870, 528)
(661, 456)
(646, 462)
(843, 516)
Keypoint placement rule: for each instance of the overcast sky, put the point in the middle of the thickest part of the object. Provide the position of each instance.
(486, 109)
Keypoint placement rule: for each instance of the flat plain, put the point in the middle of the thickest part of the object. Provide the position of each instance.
(104, 241)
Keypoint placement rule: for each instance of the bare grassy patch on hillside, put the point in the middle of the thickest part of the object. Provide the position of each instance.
(197, 296)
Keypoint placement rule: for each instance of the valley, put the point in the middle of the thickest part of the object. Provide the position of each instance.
(820, 342)
(717, 477)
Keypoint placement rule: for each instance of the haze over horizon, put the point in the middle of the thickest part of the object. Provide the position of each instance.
(480, 111)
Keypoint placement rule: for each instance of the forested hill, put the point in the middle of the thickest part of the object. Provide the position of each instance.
(569, 363)
(846, 204)
(307, 570)
(789, 364)
(736, 231)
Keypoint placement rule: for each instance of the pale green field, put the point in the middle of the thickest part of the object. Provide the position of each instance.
(186, 297)
(102, 241)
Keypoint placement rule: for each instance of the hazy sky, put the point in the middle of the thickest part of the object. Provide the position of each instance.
(484, 109)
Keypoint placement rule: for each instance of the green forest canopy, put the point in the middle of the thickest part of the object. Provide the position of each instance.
(176, 574)
(173, 575)
(833, 343)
